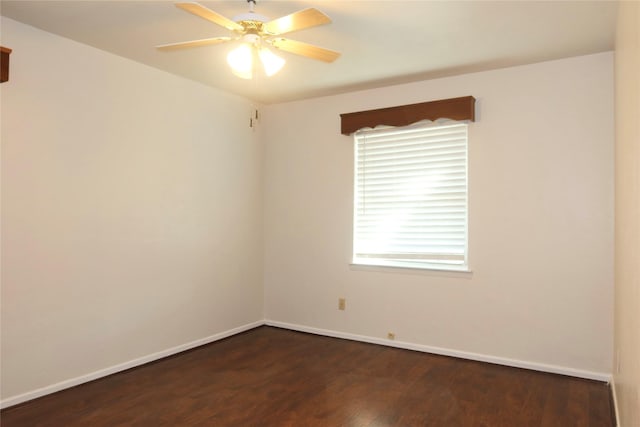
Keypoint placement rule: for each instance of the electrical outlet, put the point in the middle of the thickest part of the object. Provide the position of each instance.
(391, 336)
(342, 303)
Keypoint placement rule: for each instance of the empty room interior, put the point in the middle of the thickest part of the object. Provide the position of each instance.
(158, 204)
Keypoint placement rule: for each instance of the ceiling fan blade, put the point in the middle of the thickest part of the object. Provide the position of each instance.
(210, 15)
(306, 18)
(305, 49)
(194, 43)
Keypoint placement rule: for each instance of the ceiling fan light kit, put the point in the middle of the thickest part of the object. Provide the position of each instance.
(255, 33)
(242, 59)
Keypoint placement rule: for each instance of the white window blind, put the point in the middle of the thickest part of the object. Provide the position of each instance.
(411, 197)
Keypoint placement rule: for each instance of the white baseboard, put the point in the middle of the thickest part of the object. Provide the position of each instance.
(599, 376)
(615, 400)
(14, 400)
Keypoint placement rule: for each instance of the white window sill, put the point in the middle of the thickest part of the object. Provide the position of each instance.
(426, 271)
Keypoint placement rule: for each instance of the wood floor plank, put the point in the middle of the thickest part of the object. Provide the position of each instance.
(275, 377)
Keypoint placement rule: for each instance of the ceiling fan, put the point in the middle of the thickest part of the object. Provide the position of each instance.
(257, 33)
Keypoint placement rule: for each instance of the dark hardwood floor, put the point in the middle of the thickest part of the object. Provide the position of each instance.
(274, 377)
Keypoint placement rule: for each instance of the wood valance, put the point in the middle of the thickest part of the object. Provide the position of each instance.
(462, 108)
(4, 63)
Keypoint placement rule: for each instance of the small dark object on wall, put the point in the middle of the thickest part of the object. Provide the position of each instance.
(4, 63)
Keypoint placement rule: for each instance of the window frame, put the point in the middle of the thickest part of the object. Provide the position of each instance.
(385, 263)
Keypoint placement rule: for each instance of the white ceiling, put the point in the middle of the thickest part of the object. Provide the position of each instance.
(382, 42)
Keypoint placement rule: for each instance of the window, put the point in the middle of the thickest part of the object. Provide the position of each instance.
(410, 205)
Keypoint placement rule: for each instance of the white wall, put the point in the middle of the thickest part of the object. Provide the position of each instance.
(131, 211)
(626, 368)
(541, 221)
